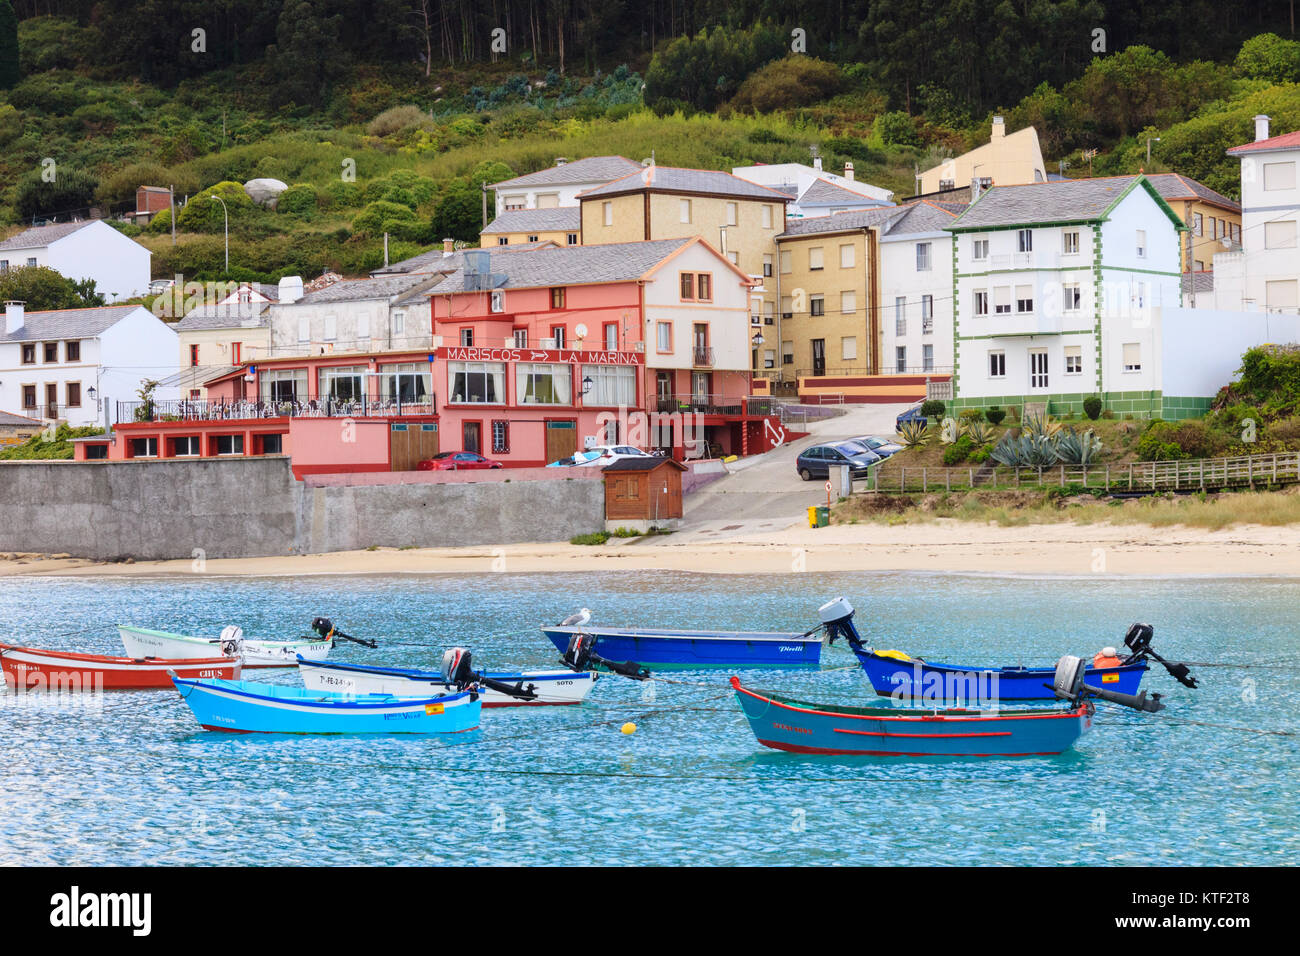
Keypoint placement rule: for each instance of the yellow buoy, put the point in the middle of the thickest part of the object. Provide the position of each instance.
(628, 728)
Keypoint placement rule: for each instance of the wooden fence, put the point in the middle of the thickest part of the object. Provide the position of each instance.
(1198, 474)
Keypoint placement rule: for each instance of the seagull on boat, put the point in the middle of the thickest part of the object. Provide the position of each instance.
(577, 620)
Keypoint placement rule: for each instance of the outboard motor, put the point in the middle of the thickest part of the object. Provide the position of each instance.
(837, 617)
(458, 670)
(1138, 640)
(581, 655)
(1067, 684)
(325, 628)
(232, 640)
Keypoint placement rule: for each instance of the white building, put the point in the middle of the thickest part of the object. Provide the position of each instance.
(560, 184)
(385, 313)
(1053, 294)
(74, 365)
(814, 191)
(916, 289)
(1265, 273)
(83, 250)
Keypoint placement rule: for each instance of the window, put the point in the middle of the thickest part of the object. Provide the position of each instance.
(1198, 224)
(927, 313)
(477, 383)
(1236, 232)
(1070, 242)
(93, 451)
(194, 356)
(1001, 300)
(767, 262)
(847, 256)
(503, 240)
(900, 358)
(1025, 240)
(609, 336)
(815, 258)
(516, 202)
(49, 352)
(1038, 368)
(272, 444)
(981, 303)
(29, 354)
(1280, 235)
(611, 385)
(500, 437)
(1024, 298)
(997, 364)
(979, 249)
(734, 258)
(282, 385)
(229, 444)
(31, 262)
(29, 396)
(521, 338)
(1132, 357)
(664, 337)
(607, 208)
(406, 382)
(769, 358)
(684, 210)
(342, 384)
(1142, 242)
(1214, 228)
(331, 328)
(927, 358)
(848, 302)
(557, 297)
(399, 322)
(787, 261)
(900, 315)
(816, 305)
(557, 333)
(532, 238)
(1073, 359)
(1276, 176)
(787, 353)
(4, 265)
(787, 307)
(923, 257)
(767, 217)
(572, 238)
(72, 351)
(688, 286)
(1199, 265)
(542, 384)
(187, 446)
(304, 330)
(849, 348)
(466, 338)
(74, 395)
(704, 287)
(1071, 297)
(143, 447)
(732, 213)
(497, 301)
(236, 352)
(1281, 295)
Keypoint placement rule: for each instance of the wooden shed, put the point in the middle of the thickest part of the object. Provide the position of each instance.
(643, 489)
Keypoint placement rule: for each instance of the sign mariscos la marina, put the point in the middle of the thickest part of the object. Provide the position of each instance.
(454, 353)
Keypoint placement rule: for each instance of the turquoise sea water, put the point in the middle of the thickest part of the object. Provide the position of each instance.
(129, 778)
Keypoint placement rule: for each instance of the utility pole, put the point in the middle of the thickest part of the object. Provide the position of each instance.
(171, 199)
(483, 186)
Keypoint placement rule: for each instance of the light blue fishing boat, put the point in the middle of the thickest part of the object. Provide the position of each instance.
(250, 707)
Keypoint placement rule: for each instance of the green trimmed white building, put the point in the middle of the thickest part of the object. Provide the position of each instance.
(1059, 291)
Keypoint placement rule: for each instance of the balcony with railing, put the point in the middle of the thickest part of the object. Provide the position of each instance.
(371, 406)
(713, 404)
(702, 356)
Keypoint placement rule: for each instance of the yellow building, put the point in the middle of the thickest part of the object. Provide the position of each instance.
(561, 225)
(1213, 220)
(1007, 159)
(215, 339)
(739, 218)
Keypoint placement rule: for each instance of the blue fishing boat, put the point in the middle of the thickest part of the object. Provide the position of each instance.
(895, 674)
(250, 707)
(687, 649)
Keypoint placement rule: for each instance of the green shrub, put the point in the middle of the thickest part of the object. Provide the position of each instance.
(380, 217)
(933, 408)
(1092, 406)
(204, 214)
(995, 414)
(596, 537)
(972, 415)
(896, 129)
(797, 80)
(958, 450)
(298, 200)
(398, 119)
(1157, 443)
(979, 455)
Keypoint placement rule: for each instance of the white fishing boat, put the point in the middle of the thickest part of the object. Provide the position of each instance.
(141, 642)
(527, 687)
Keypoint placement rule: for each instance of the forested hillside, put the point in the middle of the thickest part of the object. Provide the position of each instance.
(387, 115)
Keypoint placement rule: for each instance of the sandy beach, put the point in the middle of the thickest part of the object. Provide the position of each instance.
(943, 545)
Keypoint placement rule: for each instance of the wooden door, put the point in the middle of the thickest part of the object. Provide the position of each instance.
(411, 443)
(561, 440)
(472, 433)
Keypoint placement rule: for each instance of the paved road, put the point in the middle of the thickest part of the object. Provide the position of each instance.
(764, 492)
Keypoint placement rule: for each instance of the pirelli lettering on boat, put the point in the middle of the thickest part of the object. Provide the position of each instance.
(790, 648)
(431, 709)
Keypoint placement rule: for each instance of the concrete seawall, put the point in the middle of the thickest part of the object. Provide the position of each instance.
(252, 507)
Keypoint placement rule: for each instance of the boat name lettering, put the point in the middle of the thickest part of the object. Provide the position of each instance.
(794, 730)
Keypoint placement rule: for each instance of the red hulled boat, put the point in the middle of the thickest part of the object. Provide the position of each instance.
(34, 668)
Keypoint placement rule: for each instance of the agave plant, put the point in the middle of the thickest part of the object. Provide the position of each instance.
(1076, 448)
(978, 431)
(914, 432)
(1027, 450)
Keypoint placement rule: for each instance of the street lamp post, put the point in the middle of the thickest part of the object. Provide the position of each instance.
(226, 213)
(1150, 140)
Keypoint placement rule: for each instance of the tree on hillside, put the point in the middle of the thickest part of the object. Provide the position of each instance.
(1269, 57)
(300, 56)
(9, 72)
(42, 289)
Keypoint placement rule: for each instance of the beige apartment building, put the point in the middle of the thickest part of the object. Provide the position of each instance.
(561, 225)
(1007, 159)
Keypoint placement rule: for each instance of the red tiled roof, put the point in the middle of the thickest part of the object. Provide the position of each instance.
(1285, 141)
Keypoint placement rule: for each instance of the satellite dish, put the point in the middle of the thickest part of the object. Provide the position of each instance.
(580, 331)
(1226, 242)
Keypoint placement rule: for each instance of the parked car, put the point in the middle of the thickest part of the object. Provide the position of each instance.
(457, 461)
(816, 462)
(600, 456)
(912, 414)
(881, 446)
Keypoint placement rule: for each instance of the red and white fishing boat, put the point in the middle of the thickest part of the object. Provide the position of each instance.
(33, 668)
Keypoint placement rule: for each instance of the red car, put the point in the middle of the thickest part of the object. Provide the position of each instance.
(457, 461)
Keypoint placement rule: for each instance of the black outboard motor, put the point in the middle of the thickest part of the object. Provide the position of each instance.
(1067, 684)
(458, 670)
(1138, 640)
(581, 656)
(325, 628)
(837, 617)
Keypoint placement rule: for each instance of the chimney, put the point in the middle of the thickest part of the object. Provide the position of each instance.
(13, 317)
(290, 289)
(448, 246)
(1261, 127)
(999, 128)
(560, 160)
(974, 188)
(817, 163)
(848, 171)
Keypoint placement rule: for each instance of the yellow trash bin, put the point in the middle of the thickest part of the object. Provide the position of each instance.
(812, 516)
